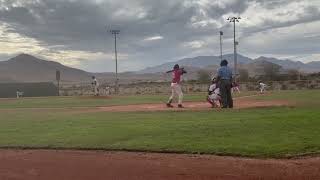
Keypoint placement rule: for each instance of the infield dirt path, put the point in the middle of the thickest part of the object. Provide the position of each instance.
(239, 103)
(92, 165)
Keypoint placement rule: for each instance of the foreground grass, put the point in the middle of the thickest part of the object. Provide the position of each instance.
(262, 132)
(63, 102)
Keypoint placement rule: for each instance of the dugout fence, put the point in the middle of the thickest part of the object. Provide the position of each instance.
(41, 89)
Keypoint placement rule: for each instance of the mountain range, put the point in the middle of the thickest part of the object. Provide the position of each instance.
(204, 61)
(27, 68)
(199, 62)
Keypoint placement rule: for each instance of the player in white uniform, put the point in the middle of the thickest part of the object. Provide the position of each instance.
(95, 85)
(235, 88)
(19, 93)
(107, 92)
(214, 97)
(262, 87)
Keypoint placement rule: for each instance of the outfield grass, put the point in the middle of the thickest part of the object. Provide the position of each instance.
(63, 102)
(261, 132)
(304, 97)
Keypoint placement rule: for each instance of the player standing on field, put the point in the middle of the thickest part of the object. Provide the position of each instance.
(177, 72)
(225, 82)
(95, 85)
(262, 87)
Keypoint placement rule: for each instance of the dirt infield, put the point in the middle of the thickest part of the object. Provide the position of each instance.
(240, 103)
(95, 97)
(91, 165)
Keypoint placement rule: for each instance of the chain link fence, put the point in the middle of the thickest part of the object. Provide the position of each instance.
(86, 89)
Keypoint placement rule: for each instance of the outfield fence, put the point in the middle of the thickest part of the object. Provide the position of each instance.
(9, 90)
(85, 89)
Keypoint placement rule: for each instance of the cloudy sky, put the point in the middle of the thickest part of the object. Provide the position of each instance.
(76, 32)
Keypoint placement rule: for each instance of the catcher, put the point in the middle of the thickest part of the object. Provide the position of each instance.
(214, 97)
(177, 72)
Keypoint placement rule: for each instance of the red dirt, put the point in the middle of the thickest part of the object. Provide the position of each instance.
(240, 103)
(95, 97)
(92, 165)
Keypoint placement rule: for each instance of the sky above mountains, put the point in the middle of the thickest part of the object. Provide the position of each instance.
(76, 32)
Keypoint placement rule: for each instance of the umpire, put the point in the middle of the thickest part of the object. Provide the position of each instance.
(225, 84)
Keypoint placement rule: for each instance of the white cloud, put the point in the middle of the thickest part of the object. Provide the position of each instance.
(195, 44)
(153, 38)
(257, 14)
(13, 43)
(156, 31)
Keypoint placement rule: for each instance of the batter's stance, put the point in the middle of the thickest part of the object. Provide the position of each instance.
(177, 72)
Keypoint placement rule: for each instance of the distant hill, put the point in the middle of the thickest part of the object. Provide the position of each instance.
(27, 68)
(197, 62)
(259, 66)
(205, 61)
(313, 66)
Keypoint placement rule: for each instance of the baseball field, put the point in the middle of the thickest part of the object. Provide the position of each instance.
(266, 136)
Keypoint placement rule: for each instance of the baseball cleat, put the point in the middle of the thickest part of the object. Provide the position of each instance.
(180, 106)
(169, 105)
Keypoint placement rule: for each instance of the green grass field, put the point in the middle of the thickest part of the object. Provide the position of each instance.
(67, 102)
(260, 132)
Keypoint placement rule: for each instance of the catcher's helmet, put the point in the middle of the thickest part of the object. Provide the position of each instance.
(214, 79)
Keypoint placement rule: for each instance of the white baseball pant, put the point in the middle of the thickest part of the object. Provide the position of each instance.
(176, 89)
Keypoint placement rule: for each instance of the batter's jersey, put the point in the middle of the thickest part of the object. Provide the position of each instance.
(176, 76)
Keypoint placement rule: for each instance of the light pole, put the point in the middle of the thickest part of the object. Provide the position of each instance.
(221, 34)
(236, 50)
(115, 33)
(234, 20)
(237, 75)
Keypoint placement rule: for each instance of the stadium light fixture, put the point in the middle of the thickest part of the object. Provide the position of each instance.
(115, 33)
(234, 20)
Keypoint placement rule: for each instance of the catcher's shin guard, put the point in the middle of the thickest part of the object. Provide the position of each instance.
(210, 101)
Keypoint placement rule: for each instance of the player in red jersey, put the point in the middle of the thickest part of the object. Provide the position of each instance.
(177, 72)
